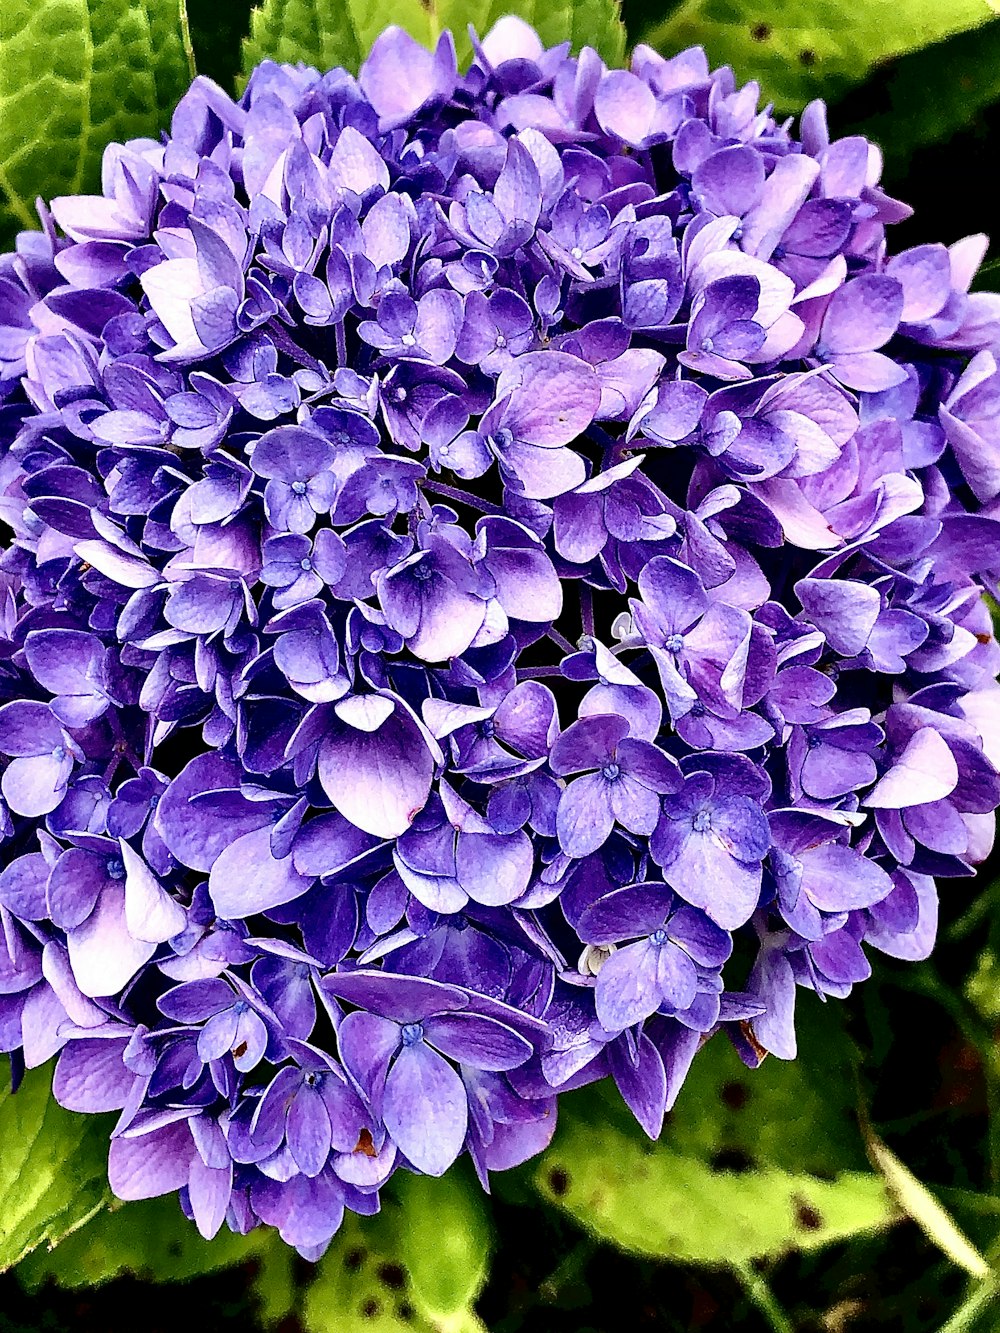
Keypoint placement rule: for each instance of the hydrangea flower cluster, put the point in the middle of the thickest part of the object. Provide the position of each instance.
(495, 598)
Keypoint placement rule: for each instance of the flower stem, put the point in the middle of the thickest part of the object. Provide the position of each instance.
(561, 641)
(587, 608)
(967, 1314)
(760, 1294)
(463, 497)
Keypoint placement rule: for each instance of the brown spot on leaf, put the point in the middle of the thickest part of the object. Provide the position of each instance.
(392, 1275)
(807, 57)
(760, 32)
(371, 1308)
(353, 1259)
(806, 1216)
(732, 1159)
(735, 1094)
(558, 1181)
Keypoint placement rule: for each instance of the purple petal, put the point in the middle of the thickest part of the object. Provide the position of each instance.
(91, 1077)
(480, 1042)
(706, 876)
(22, 887)
(35, 785)
(845, 611)
(839, 879)
(862, 315)
(399, 76)
(156, 1163)
(308, 1132)
(104, 953)
(589, 743)
(209, 1190)
(585, 819)
(624, 106)
(635, 910)
(494, 868)
(150, 912)
(556, 399)
(405, 999)
(925, 771)
(245, 878)
(627, 988)
(633, 805)
(642, 1084)
(425, 1109)
(378, 780)
(197, 833)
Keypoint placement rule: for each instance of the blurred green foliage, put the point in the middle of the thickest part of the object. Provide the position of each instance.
(798, 49)
(325, 34)
(53, 1169)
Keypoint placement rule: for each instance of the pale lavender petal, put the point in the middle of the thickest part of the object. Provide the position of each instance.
(425, 1109)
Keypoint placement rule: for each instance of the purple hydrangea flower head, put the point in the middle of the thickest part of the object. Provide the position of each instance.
(484, 548)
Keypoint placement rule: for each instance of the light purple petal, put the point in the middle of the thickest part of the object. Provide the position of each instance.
(925, 771)
(246, 878)
(425, 1109)
(585, 819)
(480, 1042)
(156, 1163)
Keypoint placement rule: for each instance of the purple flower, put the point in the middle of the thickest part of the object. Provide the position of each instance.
(42, 757)
(622, 783)
(661, 969)
(546, 400)
(817, 872)
(700, 647)
(434, 599)
(397, 1046)
(723, 331)
(427, 329)
(495, 329)
(709, 843)
(359, 795)
(300, 483)
(299, 568)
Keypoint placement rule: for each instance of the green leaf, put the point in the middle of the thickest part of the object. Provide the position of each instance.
(934, 93)
(988, 280)
(417, 1267)
(918, 1202)
(982, 988)
(798, 49)
(655, 1200)
(150, 1239)
(53, 1168)
(154, 1241)
(324, 34)
(749, 1164)
(797, 1115)
(75, 75)
(966, 1317)
(444, 1243)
